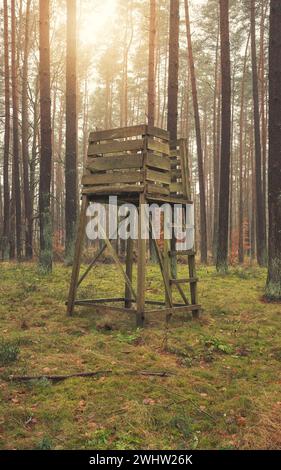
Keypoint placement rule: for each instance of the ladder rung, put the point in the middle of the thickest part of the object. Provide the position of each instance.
(191, 280)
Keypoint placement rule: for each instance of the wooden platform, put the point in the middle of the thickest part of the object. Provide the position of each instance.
(137, 164)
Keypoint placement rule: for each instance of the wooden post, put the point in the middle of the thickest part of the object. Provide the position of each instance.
(129, 271)
(193, 285)
(141, 265)
(77, 257)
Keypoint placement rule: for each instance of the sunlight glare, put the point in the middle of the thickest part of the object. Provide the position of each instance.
(97, 21)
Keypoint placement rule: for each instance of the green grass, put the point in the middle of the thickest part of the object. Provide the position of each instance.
(223, 390)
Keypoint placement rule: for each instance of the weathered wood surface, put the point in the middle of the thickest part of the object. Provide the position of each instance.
(175, 310)
(116, 177)
(127, 132)
(157, 146)
(129, 271)
(157, 189)
(160, 162)
(116, 147)
(117, 189)
(158, 176)
(118, 162)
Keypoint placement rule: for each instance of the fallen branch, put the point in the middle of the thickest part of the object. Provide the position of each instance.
(153, 374)
(57, 378)
(60, 378)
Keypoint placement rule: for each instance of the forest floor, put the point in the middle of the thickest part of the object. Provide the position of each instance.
(223, 389)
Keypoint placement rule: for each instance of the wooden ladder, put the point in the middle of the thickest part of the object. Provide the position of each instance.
(192, 280)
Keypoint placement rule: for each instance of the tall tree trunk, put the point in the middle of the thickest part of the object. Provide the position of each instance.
(46, 140)
(241, 151)
(25, 152)
(173, 70)
(203, 214)
(16, 169)
(273, 288)
(71, 178)
(151, 89)
(216, 162)
(260, 216)
(151, 65)
(222, 252)
(6, 221)
(263, 100)
(173, 93)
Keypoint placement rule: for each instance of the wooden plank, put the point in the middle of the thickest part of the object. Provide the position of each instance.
(158, 176)
(180, 310)
(115, 147)
(156, 146)
(157, 132)
(119, 133)
(105, 309)
(77, 257)
(118, 162)
(116, 177)
(107, 190)
(158, 161)
(171, 199)
(100, 301)
(156, 189)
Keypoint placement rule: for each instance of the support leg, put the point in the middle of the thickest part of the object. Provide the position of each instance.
(129, 271)
(193, 286)
(77, 257)
(141, 264)
(173, 259)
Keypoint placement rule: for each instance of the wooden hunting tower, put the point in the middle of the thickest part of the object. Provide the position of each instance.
(139, 165)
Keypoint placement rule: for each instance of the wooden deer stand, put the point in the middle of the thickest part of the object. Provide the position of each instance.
(139, 165)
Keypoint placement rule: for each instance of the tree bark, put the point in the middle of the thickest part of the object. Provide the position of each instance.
(25, 152)
(46, 140)
(273, 288)
(151, 90)
(203, 213)
(173, 70)
(241, 151)
(260, 216)
(151, 66)
(71, 177)
(216, 162)
(6, 222)
(173, 86)
(222, 251)
(16, 170)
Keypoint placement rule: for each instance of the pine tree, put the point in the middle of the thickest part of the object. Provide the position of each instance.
(45, 258)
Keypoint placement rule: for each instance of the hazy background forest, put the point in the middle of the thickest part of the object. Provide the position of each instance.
(112, 84)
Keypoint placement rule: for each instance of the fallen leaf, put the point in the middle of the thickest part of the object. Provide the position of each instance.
(241, 421)
(148, 401)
